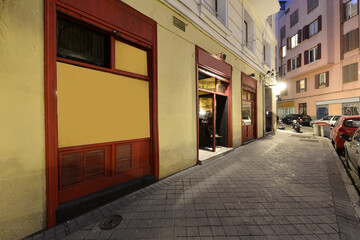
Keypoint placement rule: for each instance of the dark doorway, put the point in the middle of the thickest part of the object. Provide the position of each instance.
(221, 120)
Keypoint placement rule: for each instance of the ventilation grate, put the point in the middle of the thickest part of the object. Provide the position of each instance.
(178, 23)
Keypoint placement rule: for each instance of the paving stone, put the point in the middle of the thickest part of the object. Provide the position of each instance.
(276, 193)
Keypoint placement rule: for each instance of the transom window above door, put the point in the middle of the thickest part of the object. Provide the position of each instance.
(212, 83)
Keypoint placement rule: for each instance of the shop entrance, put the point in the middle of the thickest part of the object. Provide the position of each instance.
(213, 114)
(248, 108)
(213, 111)
(213, 90)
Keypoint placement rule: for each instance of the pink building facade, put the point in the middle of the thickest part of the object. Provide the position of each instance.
(318, 58)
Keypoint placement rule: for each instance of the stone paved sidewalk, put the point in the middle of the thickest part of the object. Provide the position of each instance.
(284, 186)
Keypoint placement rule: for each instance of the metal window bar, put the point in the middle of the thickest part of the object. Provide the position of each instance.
(214, 11)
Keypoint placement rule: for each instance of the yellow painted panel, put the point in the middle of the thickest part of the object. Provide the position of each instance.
(286, 104)
(96, 107)
(130, 59)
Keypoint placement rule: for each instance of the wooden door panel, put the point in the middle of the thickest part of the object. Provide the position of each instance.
(87, 169)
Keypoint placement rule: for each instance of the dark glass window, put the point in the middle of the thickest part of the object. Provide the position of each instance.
(350, 73)
(302, 108)
(312, 4)
(282, 32)
(294, 18)
(350, 9)
(80, 43)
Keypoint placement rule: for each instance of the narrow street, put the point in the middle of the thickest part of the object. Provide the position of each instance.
(284, 186)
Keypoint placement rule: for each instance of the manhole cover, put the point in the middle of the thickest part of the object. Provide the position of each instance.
(110, 222)
(308, 140)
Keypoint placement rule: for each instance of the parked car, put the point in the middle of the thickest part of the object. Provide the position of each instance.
(331, 119)
(351, 150)
(304, 119)
(290, 117)
(345, 124)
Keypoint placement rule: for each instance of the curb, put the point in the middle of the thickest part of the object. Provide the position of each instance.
(350, 188)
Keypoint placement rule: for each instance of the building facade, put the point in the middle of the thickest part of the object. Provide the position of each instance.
(98, 93)
(318, 56)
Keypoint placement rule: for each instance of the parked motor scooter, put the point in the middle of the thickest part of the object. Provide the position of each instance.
(280, 124)
(296, 125)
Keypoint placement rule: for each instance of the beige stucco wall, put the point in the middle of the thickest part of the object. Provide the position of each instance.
(335, 109)
(22, 151)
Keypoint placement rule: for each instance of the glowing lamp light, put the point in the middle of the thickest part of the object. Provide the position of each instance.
(280, 87)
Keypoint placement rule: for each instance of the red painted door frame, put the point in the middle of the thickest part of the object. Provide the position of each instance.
(121, 20)
(250, 82)
(217, 68)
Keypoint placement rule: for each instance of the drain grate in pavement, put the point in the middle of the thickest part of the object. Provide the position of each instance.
(110, 222)
(308, 140)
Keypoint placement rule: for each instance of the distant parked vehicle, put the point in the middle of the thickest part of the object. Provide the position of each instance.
(345, 124)
(304, 119)
(296, 125)
(331, 119)
(280, 124)
(351, 150)
(290, 117)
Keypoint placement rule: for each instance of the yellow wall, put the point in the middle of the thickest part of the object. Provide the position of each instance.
(97, 107)
(22, 139)
(177, 87)
(177, 103)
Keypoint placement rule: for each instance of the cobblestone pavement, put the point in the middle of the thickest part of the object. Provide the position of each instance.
(283, 186)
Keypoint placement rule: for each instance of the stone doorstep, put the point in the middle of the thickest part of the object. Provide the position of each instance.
(350, 188)
(204, 161)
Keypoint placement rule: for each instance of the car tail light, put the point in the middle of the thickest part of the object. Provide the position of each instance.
(301, 119)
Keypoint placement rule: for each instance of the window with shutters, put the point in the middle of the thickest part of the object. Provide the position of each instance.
(267, 54)
(313, 28)
(301, 85)
(295, 63)
(218, 8)
(303, 108)
(283, 51)
(294, 41)
(322, 80)
(249, 32)
(312, 4)
(350, 73)
(313, 54)
(351, 40)
(294, 18)
(282, 32)
(283, 70)
(350, 9)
